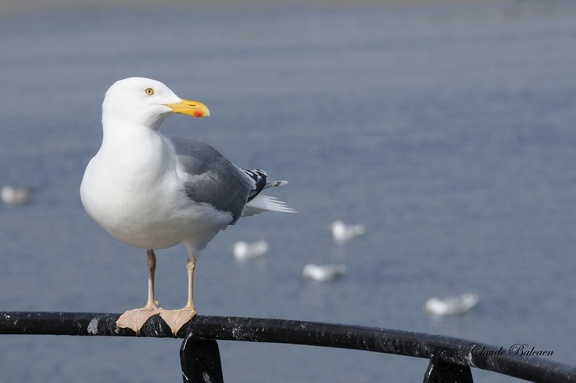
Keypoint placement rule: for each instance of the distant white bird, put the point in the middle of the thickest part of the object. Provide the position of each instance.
(458, 304)
(342, 232)
(243, 250)
(323, 272)
(12, 195)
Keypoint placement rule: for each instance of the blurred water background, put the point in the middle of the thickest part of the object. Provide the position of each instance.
(448, 131)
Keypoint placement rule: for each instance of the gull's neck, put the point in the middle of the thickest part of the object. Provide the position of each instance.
(120, 131)
(134, 144)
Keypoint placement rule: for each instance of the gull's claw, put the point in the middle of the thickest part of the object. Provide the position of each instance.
(135, 319)
(175, 319)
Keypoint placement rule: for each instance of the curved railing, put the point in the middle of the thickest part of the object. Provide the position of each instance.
(450, 358)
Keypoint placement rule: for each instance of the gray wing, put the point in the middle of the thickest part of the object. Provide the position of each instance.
(212, 178)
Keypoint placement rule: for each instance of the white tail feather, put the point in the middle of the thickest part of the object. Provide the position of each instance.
(262, 203)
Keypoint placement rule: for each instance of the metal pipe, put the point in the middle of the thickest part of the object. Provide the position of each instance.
(421, 345)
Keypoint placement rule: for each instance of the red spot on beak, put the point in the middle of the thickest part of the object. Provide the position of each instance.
(198, 114)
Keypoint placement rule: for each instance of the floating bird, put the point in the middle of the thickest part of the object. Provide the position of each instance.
(153, 191)
(458, 304)
(243, 250)
(323, 272)
(12, 196)
(343, 233)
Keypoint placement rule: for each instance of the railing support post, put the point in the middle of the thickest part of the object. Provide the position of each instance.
(200, 360)
(439, 371)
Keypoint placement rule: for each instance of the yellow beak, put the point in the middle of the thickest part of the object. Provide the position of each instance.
(191, 108)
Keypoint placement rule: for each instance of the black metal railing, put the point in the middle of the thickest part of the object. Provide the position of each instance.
(450, 358)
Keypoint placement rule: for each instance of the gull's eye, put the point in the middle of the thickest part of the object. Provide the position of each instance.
(149, 91)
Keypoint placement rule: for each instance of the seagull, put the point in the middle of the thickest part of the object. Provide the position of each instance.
(13, 196)
(343, 233)
(153, 191)
(323, 273)
(243, 250)
(458, 304)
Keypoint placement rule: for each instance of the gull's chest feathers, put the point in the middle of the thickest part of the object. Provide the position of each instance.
(131, 198)
(138, 175)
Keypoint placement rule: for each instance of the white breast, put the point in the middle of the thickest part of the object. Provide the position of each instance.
(140, 200)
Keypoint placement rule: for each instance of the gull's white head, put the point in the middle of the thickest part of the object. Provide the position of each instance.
(146, 102)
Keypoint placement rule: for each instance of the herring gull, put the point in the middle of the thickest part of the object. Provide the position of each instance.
(153, 191)
(453, 305)
(243, 250)
(12, 195)
(323, 273)
(342, 232)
